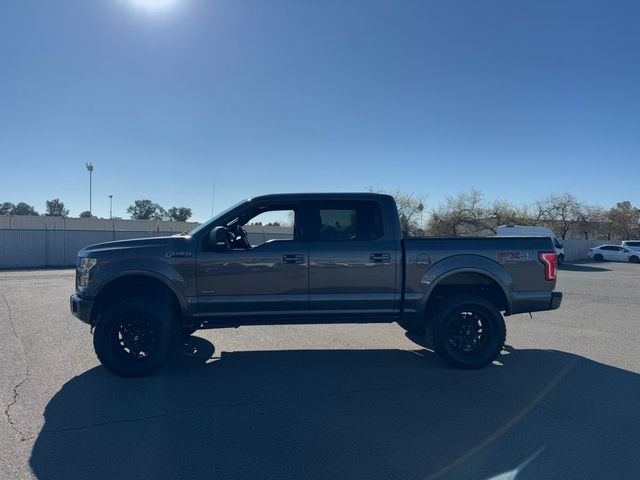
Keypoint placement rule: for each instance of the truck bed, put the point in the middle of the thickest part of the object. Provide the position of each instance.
(508, 263)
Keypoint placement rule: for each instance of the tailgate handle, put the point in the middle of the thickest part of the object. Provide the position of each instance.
(380, 257)
(293, 258)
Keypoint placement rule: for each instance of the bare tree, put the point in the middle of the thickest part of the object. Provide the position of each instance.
(624, 221)
(559, 212)
(590, 221)
(459, 215)
(502, 212)
(410, 209)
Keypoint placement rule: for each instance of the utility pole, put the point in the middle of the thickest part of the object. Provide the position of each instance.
(90, 169)
(110, 205)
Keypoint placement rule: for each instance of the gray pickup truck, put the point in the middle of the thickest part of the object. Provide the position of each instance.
(344, 260)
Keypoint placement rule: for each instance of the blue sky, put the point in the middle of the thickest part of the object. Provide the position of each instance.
(517, 98)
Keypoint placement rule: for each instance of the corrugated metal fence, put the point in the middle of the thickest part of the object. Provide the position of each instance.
(34, 242)
(30, 241)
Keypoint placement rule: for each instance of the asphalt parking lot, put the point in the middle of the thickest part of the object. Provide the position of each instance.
(342, 401)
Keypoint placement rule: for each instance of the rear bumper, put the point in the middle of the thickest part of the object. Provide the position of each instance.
(81, 308)
(556, 300)
(523, 302)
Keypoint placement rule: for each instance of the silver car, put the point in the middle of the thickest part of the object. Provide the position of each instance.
(632, 245)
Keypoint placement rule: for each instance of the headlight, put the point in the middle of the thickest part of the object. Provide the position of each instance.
(86, 264)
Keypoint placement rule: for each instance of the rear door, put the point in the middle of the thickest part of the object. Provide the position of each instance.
(353, 260)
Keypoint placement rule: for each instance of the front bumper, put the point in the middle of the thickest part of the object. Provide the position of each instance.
(81, 308)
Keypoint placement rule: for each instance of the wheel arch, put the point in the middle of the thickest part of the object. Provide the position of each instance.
(139, 284)
(469, 280)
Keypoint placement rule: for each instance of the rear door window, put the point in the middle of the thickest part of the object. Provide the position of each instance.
(345, 221)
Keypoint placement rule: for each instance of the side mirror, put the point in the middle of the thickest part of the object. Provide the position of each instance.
(218, 239)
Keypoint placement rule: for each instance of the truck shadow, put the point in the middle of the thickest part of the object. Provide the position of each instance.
(374, 414)
(581, 267)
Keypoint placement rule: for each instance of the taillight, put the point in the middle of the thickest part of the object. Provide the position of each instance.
(550, 262)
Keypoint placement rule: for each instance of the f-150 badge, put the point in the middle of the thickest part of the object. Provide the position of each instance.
(178, 254)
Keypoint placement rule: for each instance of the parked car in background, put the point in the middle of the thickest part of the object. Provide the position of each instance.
(613, 253)
(528, 231)
(632, 245)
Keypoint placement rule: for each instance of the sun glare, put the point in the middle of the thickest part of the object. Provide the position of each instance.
(153, 4)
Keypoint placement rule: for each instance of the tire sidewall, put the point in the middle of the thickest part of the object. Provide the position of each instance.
(108, 353)
(634, 259)
(495, 341)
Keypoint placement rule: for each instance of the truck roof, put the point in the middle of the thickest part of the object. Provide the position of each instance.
(323, 196)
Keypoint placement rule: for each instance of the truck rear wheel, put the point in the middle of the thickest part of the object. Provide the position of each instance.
(469, 332)
(134, 337)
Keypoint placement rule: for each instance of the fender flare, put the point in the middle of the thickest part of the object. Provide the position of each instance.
(452, 266)
(150, 274)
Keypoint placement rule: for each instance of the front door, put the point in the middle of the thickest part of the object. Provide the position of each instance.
(267, 278)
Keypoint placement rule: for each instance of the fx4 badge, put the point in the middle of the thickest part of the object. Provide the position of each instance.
(513, 256)
(178, 254)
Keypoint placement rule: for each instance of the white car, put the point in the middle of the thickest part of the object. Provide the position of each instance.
(613, 253)
(632, 245)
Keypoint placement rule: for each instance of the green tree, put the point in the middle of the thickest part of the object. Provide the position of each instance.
(24, 209)
(6, 208)
(55, 208)
(86, 214)
(179, 214)
(146, 210)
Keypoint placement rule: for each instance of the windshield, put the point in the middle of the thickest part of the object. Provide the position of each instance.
(212, 220)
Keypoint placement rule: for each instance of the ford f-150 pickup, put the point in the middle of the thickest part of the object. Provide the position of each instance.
(346, 260)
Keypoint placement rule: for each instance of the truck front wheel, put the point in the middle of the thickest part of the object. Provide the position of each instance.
(134, 337)
(469, 332)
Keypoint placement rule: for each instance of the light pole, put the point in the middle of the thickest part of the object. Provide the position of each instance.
(90, 169)
(110, 205)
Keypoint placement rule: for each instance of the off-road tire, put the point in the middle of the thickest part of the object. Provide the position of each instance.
(152, 320)
(486, 326)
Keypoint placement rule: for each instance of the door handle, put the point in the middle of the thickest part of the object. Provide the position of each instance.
(292, 258)
(380, 257)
